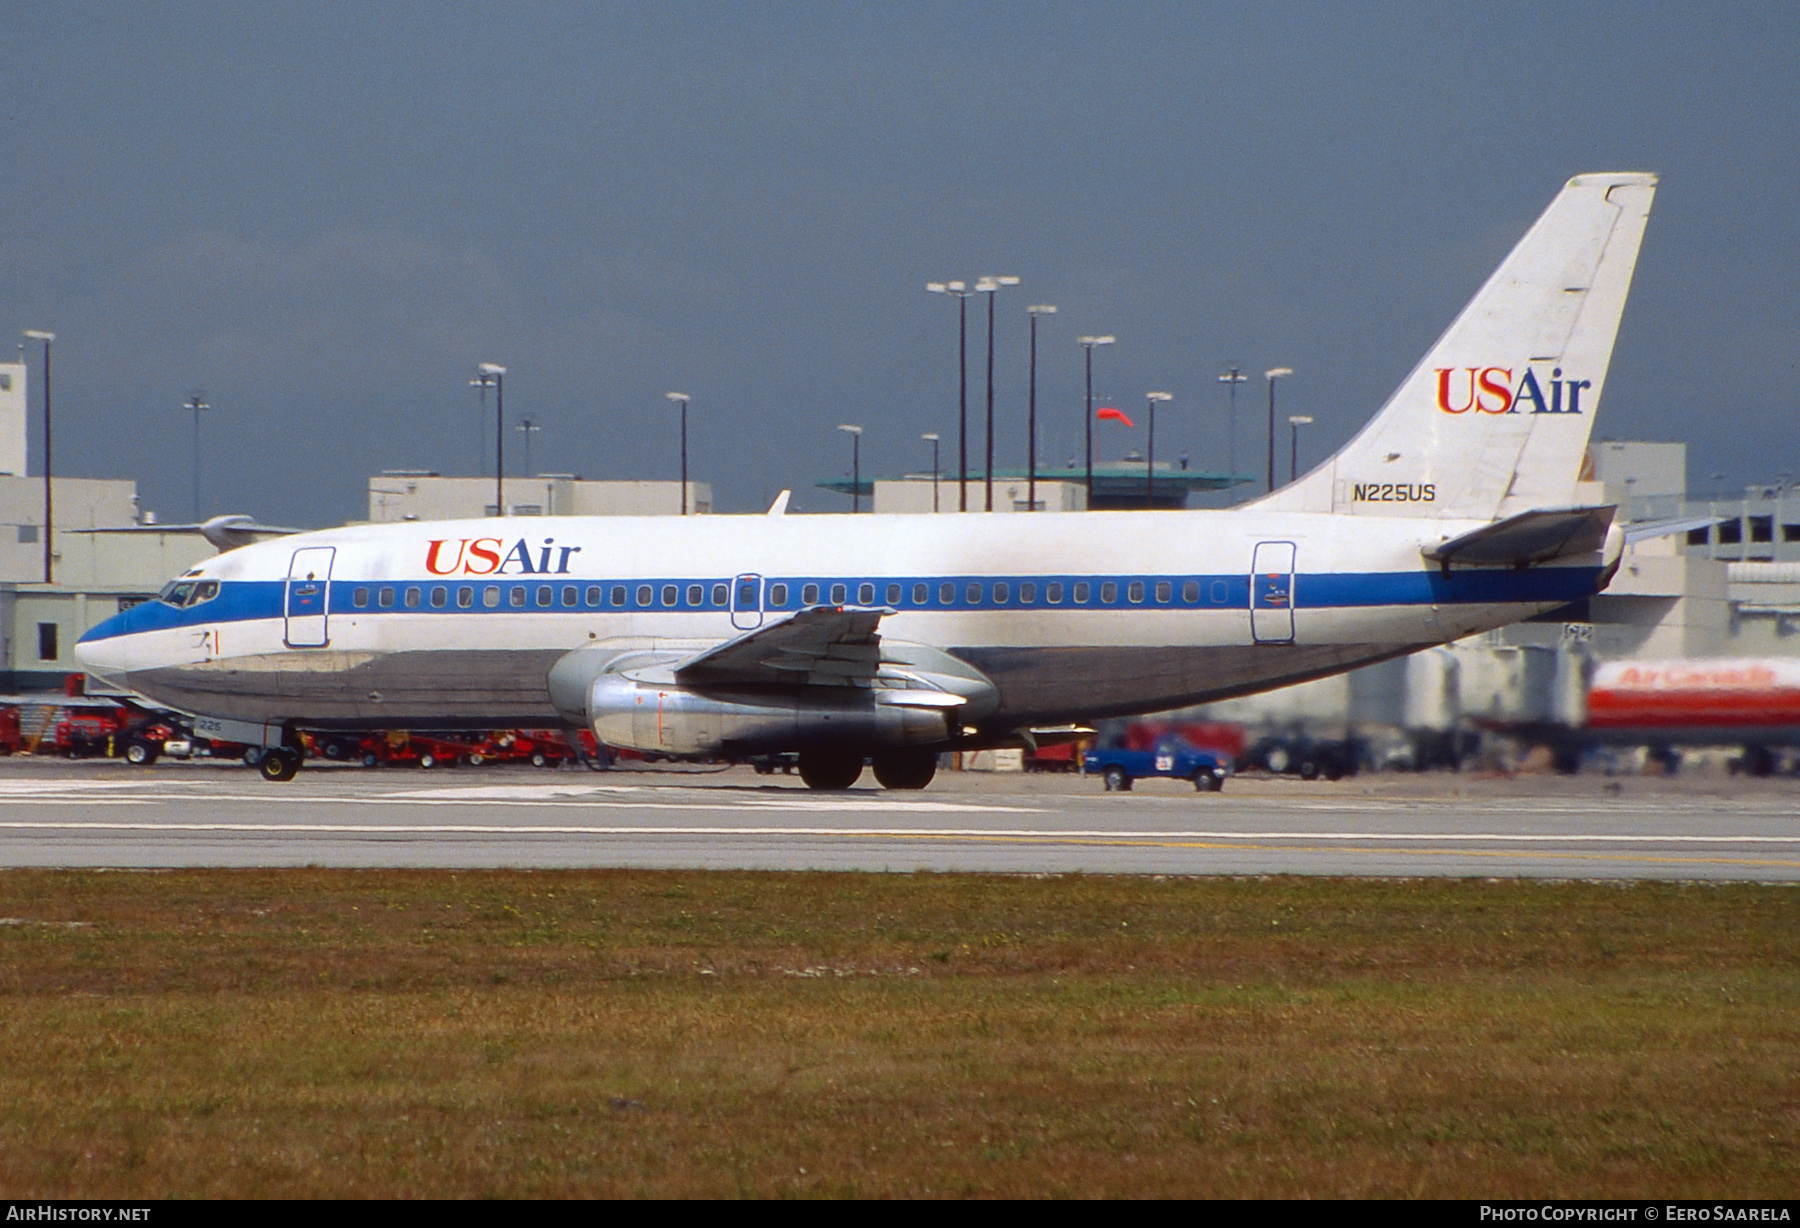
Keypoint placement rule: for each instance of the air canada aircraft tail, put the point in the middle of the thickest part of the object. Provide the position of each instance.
(1495, 419)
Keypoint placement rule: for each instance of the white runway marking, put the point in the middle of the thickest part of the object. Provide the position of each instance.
(948, 833)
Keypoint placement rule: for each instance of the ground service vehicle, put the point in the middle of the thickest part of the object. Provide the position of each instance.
(1173, 757)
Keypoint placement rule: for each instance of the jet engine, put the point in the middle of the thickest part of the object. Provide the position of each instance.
(642, 699)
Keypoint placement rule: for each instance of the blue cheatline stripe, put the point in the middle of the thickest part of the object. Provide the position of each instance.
(243, 600)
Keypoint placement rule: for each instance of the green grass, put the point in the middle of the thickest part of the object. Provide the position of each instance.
(342, 1033)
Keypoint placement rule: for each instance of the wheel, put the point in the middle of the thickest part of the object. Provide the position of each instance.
(477, 759)
(905, 769)
(253, 755)
(539, 759)
(371, 759)
(141, 753)
(830, 769)
(428, 760)
(1117, 781)
(1308, 770)
(279, 764)
(1206, 782)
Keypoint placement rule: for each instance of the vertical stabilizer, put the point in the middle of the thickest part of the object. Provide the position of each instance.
(1495, 419)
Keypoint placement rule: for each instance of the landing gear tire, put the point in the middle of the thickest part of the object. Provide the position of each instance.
(279, 764)
(1206, 782)
(830, 769)
(140, 753)
(1116, 780)
(905, 769)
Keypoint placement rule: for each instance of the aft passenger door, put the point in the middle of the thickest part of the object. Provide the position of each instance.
(307, 601)
(746, 602)
(1272, 593)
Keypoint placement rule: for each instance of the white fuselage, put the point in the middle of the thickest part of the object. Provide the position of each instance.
(1072, 617)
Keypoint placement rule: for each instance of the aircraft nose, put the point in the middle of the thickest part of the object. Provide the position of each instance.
(102, 650)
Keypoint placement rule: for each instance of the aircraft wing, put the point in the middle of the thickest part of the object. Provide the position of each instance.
(820, 646)
(1540, 536)
(226, 532)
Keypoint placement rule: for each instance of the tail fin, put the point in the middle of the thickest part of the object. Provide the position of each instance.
(1495, 419)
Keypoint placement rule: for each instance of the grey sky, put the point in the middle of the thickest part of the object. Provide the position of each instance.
(324, 215)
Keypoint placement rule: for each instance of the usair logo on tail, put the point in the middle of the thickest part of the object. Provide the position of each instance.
(1492, 390)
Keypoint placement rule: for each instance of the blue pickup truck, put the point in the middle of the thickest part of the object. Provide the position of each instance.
(1171, 757)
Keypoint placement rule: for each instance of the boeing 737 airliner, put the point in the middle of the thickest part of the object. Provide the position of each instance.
(886, 639)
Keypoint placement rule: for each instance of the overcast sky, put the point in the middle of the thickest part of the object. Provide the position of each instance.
(325, 214)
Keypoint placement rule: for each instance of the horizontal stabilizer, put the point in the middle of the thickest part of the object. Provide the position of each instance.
(1541, 536)
(1646, 530)
(228, 532)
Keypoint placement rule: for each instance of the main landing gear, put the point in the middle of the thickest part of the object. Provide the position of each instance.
(279, 763)
(834, 768)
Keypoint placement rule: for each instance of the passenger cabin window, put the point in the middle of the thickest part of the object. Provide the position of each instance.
(1135, 591)
(593, 595)
(1053, 593)
(921, 594)
(696, 595)
(893, 594)
(1002, 593)
(1081, 592)
(838, 594)
(973, 594)
(645, 595)
(385, 598)
(490, 596)
(722, 594)
(1028, 593)
(747, 594)
(1190, 591)
(546, 595)
(517, 595)
(671, 595)
(865, 594)
(1109, 593)
(465, 597)
(571, 595)
(777, 594)
(360, 598)
(618, 594)
(946, 593)
(439, 597)
(412, 598)
(809, 595)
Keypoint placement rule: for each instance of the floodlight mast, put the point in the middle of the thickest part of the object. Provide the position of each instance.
(1041, 309)
(1154, 399)
(961, 293)
(1087, 425)
(497, 374)
(682, 398)
(1273, 374)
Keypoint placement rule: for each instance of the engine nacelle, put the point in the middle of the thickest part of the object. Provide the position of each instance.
(631, 699)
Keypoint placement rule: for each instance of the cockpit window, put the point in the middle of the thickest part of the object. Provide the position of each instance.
(180, 593)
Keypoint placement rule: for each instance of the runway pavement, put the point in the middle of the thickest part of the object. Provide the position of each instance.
(107, 814)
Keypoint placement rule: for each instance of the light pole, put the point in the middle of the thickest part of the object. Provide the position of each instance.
(932, 438)
(38, 334)
(1087, 421)
(1231, 379)
(481, 384)
(1150, 449)
(1273, 374)
(1295, 422)
(196, 402)
(682, 399)
(526, 427)
(1042, 309)
(855, 433)
(957, 290)
(497, 374)
(990, 286)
